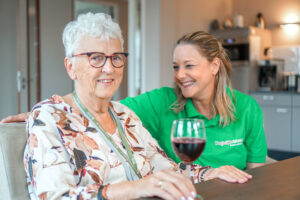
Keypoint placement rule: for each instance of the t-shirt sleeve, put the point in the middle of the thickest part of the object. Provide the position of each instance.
(149, 107)
(255, 138)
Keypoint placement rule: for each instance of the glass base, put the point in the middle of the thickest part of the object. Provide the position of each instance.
(199, 197)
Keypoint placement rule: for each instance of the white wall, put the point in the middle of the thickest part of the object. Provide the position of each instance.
(151, 44)
(195, 15)
(178, 17)
(168, 36)
(8, 64)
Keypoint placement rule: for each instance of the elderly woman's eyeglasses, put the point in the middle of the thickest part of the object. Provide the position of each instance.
(97, 59)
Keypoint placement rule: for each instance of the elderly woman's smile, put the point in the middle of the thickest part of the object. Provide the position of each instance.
(106, 81)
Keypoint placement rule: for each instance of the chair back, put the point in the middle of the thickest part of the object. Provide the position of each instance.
(13, 177)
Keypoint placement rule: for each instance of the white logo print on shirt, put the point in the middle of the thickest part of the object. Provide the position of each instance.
(235, 142)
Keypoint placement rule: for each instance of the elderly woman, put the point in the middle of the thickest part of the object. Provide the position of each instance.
(83, 146)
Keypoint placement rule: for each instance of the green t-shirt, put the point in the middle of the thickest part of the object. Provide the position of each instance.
(236, 144)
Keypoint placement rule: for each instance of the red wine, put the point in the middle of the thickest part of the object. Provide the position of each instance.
(188, 149)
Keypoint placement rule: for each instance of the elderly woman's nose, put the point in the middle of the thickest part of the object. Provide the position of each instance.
(108, 66)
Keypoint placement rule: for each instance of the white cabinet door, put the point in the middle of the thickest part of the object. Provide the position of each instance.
(296, 123)
(277, 111)
(296, 130)
(277, 125)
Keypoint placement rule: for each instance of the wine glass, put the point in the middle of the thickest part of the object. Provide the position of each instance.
(188, 139)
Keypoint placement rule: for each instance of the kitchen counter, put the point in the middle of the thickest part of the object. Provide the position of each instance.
(275, 92)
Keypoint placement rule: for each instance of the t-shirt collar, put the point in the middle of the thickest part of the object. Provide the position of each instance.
(191, 112)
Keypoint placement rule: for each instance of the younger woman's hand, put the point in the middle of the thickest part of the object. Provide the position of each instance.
(228, 173)
(16, 118)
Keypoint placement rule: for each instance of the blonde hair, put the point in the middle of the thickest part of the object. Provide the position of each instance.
(211, 48)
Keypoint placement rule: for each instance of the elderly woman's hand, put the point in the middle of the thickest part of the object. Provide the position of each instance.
(166, 184)
(228, 173)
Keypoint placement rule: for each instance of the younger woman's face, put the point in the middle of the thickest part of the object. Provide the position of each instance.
(193, 73)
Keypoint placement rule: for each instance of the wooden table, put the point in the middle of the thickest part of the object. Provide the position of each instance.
(280, 180)
(277, 181)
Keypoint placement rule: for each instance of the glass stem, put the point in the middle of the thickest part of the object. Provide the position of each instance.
(188, 171)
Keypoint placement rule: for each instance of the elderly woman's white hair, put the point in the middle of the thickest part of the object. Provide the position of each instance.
(94, 25)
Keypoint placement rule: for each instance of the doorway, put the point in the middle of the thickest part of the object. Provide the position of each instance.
(32, 54)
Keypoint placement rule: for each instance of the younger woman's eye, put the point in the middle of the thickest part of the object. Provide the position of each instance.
(189, 66)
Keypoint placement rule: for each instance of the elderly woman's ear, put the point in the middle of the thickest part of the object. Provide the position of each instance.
(70, 68)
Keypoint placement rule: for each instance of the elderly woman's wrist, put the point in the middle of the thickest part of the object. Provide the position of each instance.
(123, 190)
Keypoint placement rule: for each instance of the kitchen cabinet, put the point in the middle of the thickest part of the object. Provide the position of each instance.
(277, 111)
(296, 123)
(277, 126)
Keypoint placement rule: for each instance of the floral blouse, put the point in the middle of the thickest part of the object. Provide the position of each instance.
(66, 158)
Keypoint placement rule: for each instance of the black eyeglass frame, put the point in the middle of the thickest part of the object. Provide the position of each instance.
(89, 54)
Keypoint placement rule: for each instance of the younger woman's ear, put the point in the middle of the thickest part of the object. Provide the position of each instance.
(70, 68)
(215, 66)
